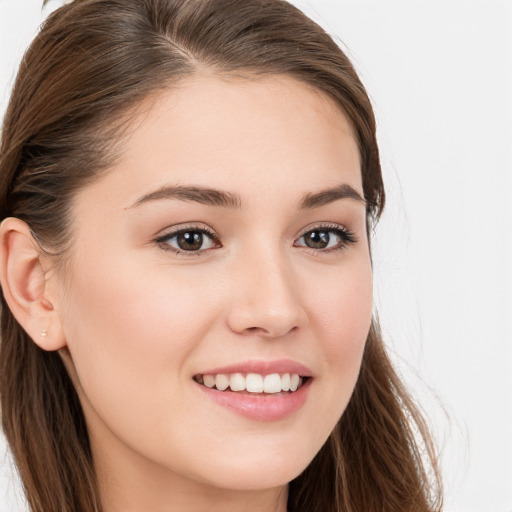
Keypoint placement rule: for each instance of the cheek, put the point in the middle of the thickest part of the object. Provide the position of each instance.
(344, 312)
(130, 333)
(140, 312)
(340, 311)
(343, 319)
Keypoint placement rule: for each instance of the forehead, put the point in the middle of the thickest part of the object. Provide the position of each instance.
(251, 136)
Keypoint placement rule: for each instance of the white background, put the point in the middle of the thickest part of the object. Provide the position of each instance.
(440, 76)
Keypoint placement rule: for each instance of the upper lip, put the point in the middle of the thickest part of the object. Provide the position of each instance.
(262, 367)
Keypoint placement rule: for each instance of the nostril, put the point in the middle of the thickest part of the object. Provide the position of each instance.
(258, 330)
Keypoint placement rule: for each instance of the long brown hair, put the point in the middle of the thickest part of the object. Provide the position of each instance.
(90, 66)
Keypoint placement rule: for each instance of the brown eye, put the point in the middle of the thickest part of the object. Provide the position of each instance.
(317, 239)
(326, 238)
(189, 240)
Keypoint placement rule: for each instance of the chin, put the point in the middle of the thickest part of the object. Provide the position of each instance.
(256, 479)
(258, 473)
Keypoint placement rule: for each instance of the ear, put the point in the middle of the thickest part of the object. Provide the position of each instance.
(26, 285)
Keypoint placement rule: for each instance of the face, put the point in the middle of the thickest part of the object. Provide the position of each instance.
(228, 243)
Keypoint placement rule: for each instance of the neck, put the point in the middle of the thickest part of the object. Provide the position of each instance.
(139, 484)
(180, 496)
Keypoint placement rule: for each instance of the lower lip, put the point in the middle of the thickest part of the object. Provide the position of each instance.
(269, 407)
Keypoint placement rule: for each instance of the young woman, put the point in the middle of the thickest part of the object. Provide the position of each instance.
(187, 192)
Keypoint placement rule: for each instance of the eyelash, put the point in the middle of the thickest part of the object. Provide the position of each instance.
(161, 240)
(346, 238)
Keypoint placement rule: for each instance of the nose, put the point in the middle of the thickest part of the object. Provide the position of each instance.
(266, 299)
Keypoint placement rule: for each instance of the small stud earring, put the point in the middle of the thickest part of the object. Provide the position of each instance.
(44, 333)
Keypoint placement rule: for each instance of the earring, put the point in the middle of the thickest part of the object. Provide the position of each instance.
(44, 333)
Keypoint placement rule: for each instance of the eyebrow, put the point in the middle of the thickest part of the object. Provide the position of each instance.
(317, 199)
(203, 195)
(224, 199)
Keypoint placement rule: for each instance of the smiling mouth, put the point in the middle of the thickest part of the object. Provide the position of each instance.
(253, 383)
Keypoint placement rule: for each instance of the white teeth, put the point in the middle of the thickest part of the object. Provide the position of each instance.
(285, 382)
(221, 382)
(294, 382)
(272, 383)
(209, 380)
(237, 382)
(252, 382)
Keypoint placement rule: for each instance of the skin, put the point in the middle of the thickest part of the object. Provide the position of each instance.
(136, 321)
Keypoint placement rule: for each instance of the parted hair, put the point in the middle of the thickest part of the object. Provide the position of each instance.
(79, 83)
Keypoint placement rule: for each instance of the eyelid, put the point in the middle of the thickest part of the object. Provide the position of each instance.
(323, 225)
(347, 236)
(176, 230)
(328, 226)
